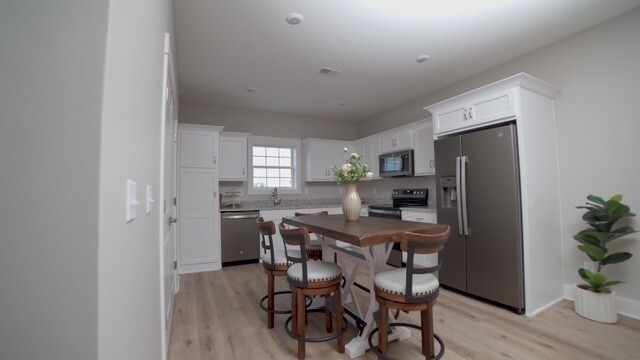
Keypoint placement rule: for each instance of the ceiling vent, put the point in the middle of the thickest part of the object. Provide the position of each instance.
(329, 72)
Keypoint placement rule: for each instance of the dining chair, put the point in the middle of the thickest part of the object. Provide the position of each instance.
(411, 289)
(312, 278)
(314, 249)
(275, 265)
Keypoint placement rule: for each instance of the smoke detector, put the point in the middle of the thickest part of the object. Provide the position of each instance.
(423, 58)
(329, 72)
(294, 19)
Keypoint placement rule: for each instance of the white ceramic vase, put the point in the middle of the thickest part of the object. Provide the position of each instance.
(351, 203)
(599, 307)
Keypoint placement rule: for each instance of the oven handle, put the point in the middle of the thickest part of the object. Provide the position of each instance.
(383, 212)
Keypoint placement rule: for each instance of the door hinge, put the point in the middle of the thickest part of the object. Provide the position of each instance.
(175, 265)
(175, 201)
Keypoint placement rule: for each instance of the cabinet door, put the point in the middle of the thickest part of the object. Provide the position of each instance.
(469, 113)
(196, 216)
(423, 152)
(233, 158)
(198, 149)
(494, 107)
(400, 140)
(369, 148)
(450, 118)
(322, 157)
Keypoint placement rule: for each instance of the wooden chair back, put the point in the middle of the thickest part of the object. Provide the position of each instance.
(267, 230)
(428, 241)
(297, 236)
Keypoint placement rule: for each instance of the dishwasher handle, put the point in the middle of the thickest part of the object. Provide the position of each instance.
(240, 215)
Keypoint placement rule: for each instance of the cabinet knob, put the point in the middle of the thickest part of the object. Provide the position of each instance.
(172, 220)
(464, 113)
(470, 113)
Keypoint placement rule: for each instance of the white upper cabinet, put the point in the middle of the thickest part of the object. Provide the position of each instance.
(400, 139)
(233, 156)
(424, 162)
(198, 146)
(322, 156)
(491, 104)
(369, 148)
(468, 113)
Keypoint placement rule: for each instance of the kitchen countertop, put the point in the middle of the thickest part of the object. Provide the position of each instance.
(419, 208)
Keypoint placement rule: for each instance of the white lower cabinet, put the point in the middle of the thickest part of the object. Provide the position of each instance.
(428, 216)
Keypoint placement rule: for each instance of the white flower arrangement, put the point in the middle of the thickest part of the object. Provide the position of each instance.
(352, 171)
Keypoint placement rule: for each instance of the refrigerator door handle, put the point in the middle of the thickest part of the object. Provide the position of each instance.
(463, 194)
(458, 194)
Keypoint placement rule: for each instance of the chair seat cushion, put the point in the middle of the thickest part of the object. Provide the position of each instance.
(317, 271)
(280, 257)
(394, 280)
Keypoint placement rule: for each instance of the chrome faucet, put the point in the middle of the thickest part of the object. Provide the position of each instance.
(274, 195)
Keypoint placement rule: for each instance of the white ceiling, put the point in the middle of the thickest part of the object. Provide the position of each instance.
(226, 46)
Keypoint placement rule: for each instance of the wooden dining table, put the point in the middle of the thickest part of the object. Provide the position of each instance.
(372, 238)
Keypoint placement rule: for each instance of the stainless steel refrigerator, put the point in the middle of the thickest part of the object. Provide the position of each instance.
(478, 194)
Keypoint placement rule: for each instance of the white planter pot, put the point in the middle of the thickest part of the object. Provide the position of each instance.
(599, 307)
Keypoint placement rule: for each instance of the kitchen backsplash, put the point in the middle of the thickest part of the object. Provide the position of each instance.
(327, 194)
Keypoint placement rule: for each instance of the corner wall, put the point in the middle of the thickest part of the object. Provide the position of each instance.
(597, 125)
(129, 311)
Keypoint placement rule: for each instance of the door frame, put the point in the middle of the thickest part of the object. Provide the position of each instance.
(167, 208)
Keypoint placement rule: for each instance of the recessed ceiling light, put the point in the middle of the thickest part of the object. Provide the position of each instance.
(342, 103)
(294, 19)
(250, 89)
(423, 58)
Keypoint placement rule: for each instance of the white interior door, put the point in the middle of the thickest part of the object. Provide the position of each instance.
(169, 274)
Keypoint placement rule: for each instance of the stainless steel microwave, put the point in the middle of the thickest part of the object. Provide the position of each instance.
(399, 163)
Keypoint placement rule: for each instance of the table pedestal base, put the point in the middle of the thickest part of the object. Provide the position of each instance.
(359, 345)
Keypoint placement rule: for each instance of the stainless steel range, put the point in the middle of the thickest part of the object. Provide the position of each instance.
(401, 198)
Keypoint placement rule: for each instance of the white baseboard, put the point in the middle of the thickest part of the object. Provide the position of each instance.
(626, 307)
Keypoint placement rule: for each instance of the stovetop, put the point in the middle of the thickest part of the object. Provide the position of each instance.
(405, 198)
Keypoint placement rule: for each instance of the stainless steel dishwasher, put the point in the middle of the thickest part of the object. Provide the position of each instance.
(240, 237)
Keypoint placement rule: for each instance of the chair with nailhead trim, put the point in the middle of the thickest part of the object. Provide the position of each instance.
(312, 278)
(411, 289)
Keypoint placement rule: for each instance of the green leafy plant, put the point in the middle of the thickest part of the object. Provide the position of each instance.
(352, 171)
(601, 216)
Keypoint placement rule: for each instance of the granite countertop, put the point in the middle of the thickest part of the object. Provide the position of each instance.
(290, 204)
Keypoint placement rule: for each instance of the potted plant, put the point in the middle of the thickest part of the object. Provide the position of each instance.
(595, 300)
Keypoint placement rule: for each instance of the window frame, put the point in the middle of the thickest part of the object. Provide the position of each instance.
(296, 162)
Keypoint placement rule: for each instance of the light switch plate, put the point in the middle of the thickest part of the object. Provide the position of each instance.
(131, 201)
(150, 199)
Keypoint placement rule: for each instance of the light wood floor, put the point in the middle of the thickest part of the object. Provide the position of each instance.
(217, 317)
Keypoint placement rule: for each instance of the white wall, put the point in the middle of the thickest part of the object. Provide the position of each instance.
(129, 280)
(267, 123)
(597, 124)
(80, 95)
(51, 71)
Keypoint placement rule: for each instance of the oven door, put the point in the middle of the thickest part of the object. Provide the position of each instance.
(385, 213)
